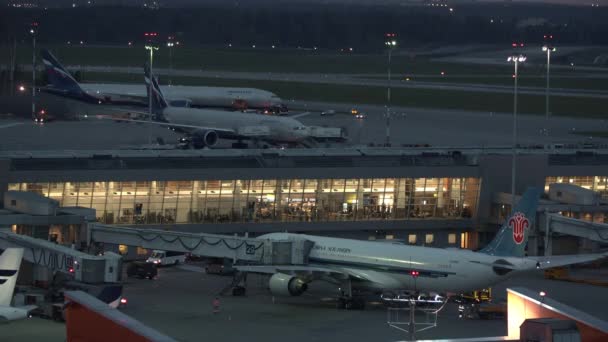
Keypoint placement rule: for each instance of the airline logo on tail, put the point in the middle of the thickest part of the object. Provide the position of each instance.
(519, 223)
(53, 69)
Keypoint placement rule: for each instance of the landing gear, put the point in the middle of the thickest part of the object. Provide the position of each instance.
(351, 303)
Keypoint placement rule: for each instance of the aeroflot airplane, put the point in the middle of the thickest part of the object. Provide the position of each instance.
(204, 127)
(356, 265)
(215, 97)
(10, 261)
(197, 96)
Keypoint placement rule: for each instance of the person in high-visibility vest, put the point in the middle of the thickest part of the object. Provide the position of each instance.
(216, 305)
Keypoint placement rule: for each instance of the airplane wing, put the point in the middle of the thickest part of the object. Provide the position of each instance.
(166, 124)
(564, 260)
(293, 270)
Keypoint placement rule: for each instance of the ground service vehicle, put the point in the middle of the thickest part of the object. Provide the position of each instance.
(161, 258)
(142, 270)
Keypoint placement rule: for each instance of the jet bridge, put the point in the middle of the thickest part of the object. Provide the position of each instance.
(84, 267)
(594, 231)
(237, 248)
(555, 223)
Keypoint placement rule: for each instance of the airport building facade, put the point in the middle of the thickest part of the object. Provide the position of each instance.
(438, 198)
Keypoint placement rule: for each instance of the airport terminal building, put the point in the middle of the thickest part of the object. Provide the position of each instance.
(435, 197)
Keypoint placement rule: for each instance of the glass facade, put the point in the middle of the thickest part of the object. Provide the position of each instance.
(267, 200)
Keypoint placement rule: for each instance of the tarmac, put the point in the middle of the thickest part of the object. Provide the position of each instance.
(178, 303)
(408, 126)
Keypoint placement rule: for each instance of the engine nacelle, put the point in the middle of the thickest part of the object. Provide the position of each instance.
(286, 285)
(202, 139)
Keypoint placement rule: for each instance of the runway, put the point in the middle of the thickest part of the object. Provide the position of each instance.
(364, 80)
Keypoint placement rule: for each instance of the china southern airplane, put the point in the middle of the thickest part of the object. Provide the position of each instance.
(363, 266)
(203, 127)
(10, 261)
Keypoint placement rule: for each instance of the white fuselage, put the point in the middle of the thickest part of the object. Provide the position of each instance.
(281, 129)
(199, 96)
(385, 265)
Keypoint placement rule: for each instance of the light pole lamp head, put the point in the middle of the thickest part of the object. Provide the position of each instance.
(517, 58)
(549, 48)
(391, 43)
(151, 47)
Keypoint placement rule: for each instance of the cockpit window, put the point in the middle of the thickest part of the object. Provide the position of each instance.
(299, 128)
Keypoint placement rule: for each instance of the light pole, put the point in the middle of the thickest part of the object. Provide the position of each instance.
(170, 45)
(515, 59)
(33, 31)
(391, 43)
(548, 48)
(151, 48)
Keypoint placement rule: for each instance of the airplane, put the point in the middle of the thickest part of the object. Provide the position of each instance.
(358, 266)
(195, 96)
(203, 127)
(10, 261)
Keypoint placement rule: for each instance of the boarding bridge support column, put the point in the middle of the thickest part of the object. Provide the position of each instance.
(548, 241)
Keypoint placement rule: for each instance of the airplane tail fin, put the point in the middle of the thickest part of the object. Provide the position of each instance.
(153, 89)
(58, 76)
(512, 237)
(10, 261)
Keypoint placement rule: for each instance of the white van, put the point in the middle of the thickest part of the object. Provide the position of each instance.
(161, 258)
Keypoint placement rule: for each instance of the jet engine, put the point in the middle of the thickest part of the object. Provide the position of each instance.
(286, 285)
(206, 138)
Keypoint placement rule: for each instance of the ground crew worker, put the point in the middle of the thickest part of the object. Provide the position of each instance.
(216, 305)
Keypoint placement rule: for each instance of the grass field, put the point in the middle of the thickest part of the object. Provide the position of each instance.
(507, 80)
(258, 60)
(582, 107)
(595, 134)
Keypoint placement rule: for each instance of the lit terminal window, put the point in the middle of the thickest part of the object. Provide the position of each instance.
(429, 239)
(264, 201)
(411, 239)
(452, 239)
(464, 240)
(123, 249)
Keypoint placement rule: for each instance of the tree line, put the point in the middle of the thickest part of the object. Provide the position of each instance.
(331, 26)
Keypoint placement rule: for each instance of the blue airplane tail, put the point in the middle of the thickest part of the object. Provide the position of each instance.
(512, 237)
(158, 99)
(59, 78)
